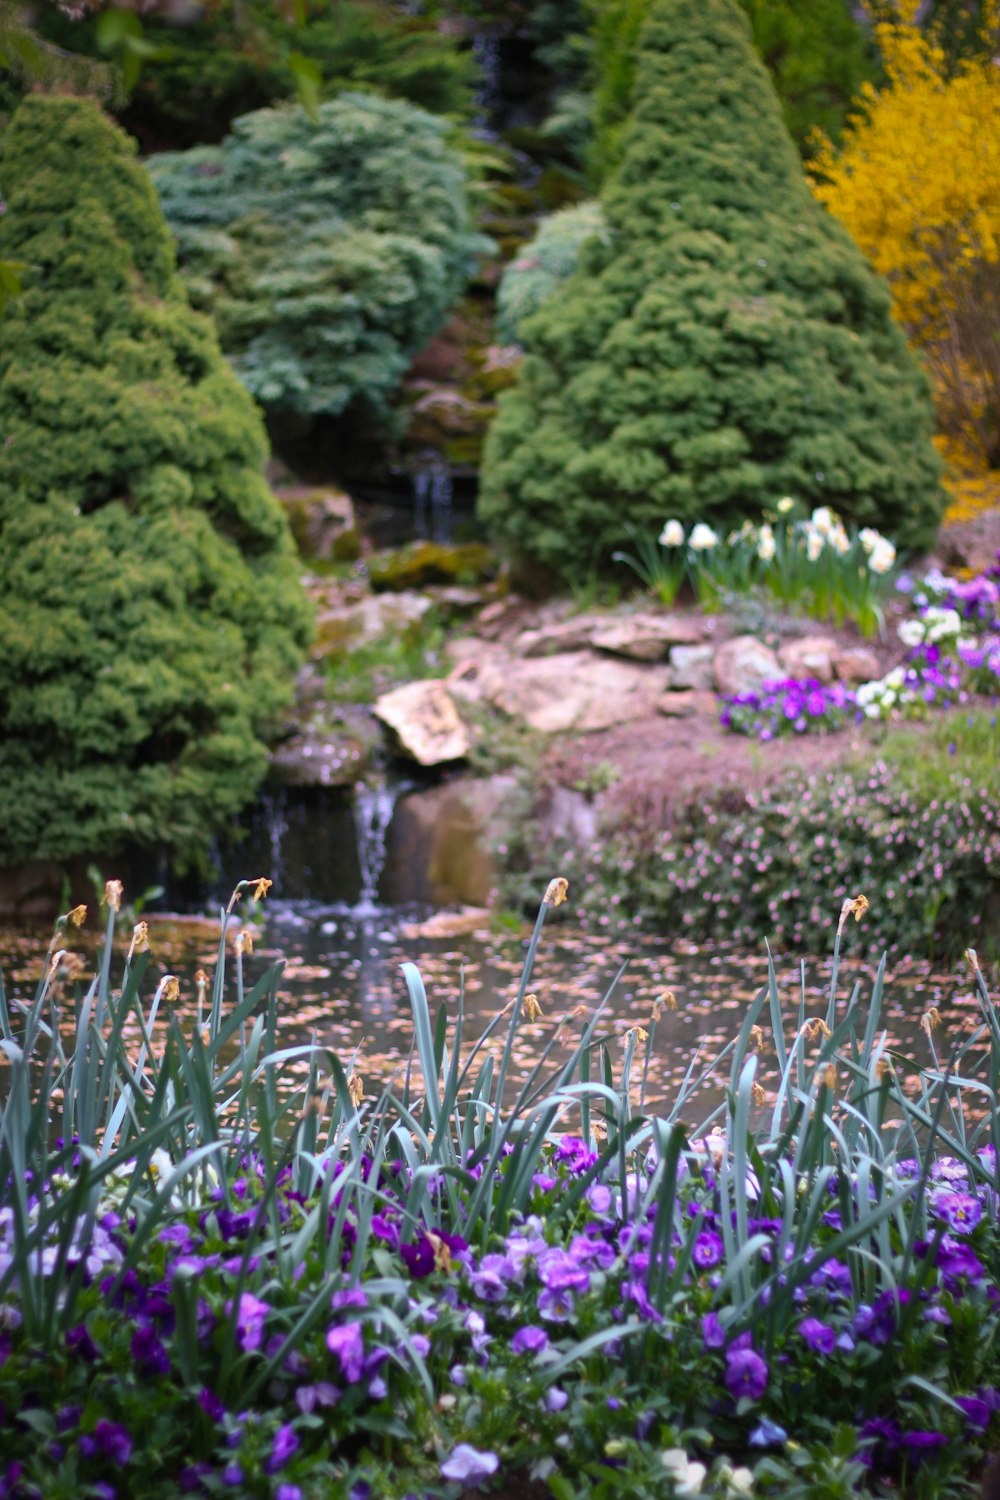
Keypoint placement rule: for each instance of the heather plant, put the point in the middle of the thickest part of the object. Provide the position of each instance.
(329, 250)
(217, 1277)
(790, 379)
(761, 869)
(151, 615)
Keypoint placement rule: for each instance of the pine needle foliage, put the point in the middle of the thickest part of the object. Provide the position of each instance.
(328, 250)
(151, 618)
(729, 344)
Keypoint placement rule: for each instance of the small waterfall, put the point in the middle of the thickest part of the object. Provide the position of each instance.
(274, 816)
(432, 500)
(373, 808)
(486, 51)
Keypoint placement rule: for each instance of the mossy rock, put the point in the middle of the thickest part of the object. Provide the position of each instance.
(323, 523)
(422, 563)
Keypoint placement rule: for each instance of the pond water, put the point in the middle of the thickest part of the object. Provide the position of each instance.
(343, 945)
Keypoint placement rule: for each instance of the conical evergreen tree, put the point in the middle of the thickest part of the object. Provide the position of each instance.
(151, 617)
(727, 345)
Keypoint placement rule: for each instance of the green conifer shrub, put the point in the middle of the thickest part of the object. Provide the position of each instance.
(151, 617)
(726, 346)
(328, 250)
(544, 262)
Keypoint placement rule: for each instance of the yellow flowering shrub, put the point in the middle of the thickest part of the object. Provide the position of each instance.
(917, 182)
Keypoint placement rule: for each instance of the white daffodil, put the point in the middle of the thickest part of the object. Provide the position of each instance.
(869, 538)
(672, 535)
(814, 543)
(882, 556)
(703, 538)
(765, 544)
(824, 520)
(785, 504)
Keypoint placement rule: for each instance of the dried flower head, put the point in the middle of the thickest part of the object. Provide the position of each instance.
(580, 1012)
(243, 942)
(532, 1009)
(855, 908)
(639, 1032)
(201, 980)
(756, 1037)
(884, 1070)
(77, 916)
(442, 1253)
(667, 999)
(356, 1089)
(261, 886)
(598, 1130)
(830, 1076)
(140, 939)
(930, 1020)
(170, 988)
(758, 1093)
(972, 959)
(113, 892)
(556, 891)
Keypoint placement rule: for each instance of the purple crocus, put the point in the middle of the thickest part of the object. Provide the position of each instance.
(466, 1465)
(746, 1374)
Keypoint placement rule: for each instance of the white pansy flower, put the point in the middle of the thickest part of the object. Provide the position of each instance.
(765, 544)
(703, 538)
(911, 632)
(686, 1475)
(672, 535)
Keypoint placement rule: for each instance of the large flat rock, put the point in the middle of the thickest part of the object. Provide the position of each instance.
(574, 690)
(426, 722)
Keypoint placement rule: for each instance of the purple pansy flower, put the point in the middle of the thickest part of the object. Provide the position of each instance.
(466, 1465)
(746, 1374)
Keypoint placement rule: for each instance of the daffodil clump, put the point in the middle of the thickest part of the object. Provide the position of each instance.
(811, 563)
(219, 1277)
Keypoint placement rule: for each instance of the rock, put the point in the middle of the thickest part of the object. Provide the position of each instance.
(567, 817)
(575, 634)
(571, 691)
(811, 656)
(448, 924)
(855, 664)
(425, 721)
(421, 563)
(32, 890)
(973, 543)
(744, 664)
(684, 705)
(646, 637)
(345, 627)
(454, 599)
(441, 842)
(691, 667)
(311, 760)
(323, 523)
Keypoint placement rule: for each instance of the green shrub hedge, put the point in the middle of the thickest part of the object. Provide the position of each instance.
(328, 250)
(151, 617)
(728, 345)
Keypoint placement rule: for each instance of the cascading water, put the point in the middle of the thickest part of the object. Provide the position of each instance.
(373, 807)
(486, 51)
(432, 496)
